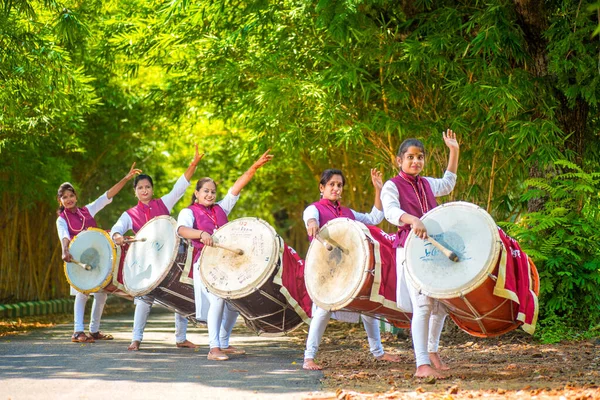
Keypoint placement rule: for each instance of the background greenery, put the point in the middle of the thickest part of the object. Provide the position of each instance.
(88, 87)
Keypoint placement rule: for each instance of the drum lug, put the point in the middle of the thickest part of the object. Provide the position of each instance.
(493, 277)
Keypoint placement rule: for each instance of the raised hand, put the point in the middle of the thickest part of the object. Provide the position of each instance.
(265, 158)
(133, 171)
(197, 155)
(450, 139)
(376, 178)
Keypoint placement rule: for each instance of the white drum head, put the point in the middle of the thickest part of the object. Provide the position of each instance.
(93, 247)
(232, 276)
(333, 278)
(148, 262)
(467, 230)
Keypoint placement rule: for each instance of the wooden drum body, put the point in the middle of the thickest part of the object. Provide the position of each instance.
(466, 287)
(153, 267)
(247, 281)
(95, 248)
(348, 277)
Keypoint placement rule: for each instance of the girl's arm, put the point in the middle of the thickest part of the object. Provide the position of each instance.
(452, 143)
(112, 192)
(247, 176)
(193, 165)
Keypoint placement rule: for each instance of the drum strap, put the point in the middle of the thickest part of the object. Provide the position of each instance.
(187, 267)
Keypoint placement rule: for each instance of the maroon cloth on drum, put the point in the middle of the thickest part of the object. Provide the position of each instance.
(141, 213)
(517, 281)
(293, 279)
(416, 198)
(387, 254)
(78, 220)
(207, 219)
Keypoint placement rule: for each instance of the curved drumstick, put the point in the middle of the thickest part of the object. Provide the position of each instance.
(448, 253)
(239, 252)
(134, 240)
(87, 267)
(324, 242)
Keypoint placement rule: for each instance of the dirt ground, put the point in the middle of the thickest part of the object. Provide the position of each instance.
(512, 366)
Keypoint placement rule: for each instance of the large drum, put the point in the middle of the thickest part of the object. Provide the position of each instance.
(154, 264)
(351, 277)
(94, 248)
(488, 259)
(247, 281)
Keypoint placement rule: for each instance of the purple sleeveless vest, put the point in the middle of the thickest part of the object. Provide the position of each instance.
(79, 220)
(141, 213)
(208, 220)
(408, 187)
(329, 210)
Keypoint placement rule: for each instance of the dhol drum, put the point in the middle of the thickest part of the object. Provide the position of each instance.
(154, 264)
(352, 276)
(489, 262)
(246, 280)
(94, 248)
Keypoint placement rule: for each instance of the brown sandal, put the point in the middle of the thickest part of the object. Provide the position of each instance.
(81, 337)
(101, 336)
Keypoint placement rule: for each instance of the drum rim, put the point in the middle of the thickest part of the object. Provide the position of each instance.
(339, 305)
(483, 274)
(109, 276)
(262, 278)
(163, 275)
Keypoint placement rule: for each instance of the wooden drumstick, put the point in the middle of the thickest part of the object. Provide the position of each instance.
(239, 252)
(87, 267)
(134, 240)
(448, 253)
(324, 242)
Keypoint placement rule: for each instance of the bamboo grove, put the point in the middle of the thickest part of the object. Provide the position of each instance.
(88, 87)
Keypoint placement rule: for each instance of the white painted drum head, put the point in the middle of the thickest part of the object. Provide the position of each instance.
(333, 278)
(148, 262)
(95, 248)
(467, 230)
(233, 276)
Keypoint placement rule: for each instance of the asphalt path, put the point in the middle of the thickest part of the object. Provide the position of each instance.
(44, 364)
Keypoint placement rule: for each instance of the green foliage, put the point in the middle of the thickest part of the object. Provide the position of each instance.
(562, 239)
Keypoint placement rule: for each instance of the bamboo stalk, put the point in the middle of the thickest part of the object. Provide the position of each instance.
(492, 177)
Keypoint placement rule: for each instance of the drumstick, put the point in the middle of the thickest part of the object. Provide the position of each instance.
(324, 242)
(448, 253)
(239, 252)
(87, 267)
(134, 240)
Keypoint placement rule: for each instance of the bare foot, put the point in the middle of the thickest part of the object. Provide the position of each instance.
(425, 371)
(310, 365)
(233, 350)
(134, 346)
(187, 344)
(388, 357)
(437, 362)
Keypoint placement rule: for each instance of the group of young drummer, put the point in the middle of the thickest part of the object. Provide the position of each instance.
(401, 201)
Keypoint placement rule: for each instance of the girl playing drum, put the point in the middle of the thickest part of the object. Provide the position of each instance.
(318, 214)
(405, 199)
(133, 219)
(198, 222)
(71, 221)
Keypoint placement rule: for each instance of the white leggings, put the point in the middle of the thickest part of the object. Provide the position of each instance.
(318, 324)
(220, 321)
(143, 305)
(97, 308)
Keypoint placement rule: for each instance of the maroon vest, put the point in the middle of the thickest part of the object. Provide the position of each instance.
(141, 213)
(329, 210)
(416, 198)
(79, 220)
(207, 219)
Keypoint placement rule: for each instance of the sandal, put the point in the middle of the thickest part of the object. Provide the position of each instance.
(233, 350)
(217, 357)
(81, 337)
(186, 344)
(101, 336)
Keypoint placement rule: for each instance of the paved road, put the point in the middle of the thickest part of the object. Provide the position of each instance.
(45, 365)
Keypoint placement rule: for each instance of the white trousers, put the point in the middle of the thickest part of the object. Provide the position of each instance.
(143, 305)
(97, 308)
(318, 324)
(427, 320)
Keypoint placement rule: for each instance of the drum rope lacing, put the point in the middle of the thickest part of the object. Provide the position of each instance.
(171, 292)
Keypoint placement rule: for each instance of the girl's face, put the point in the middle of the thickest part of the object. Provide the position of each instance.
(144, 191)
(332, 190)
(68, 200)
(207, 194)
(412, 162)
